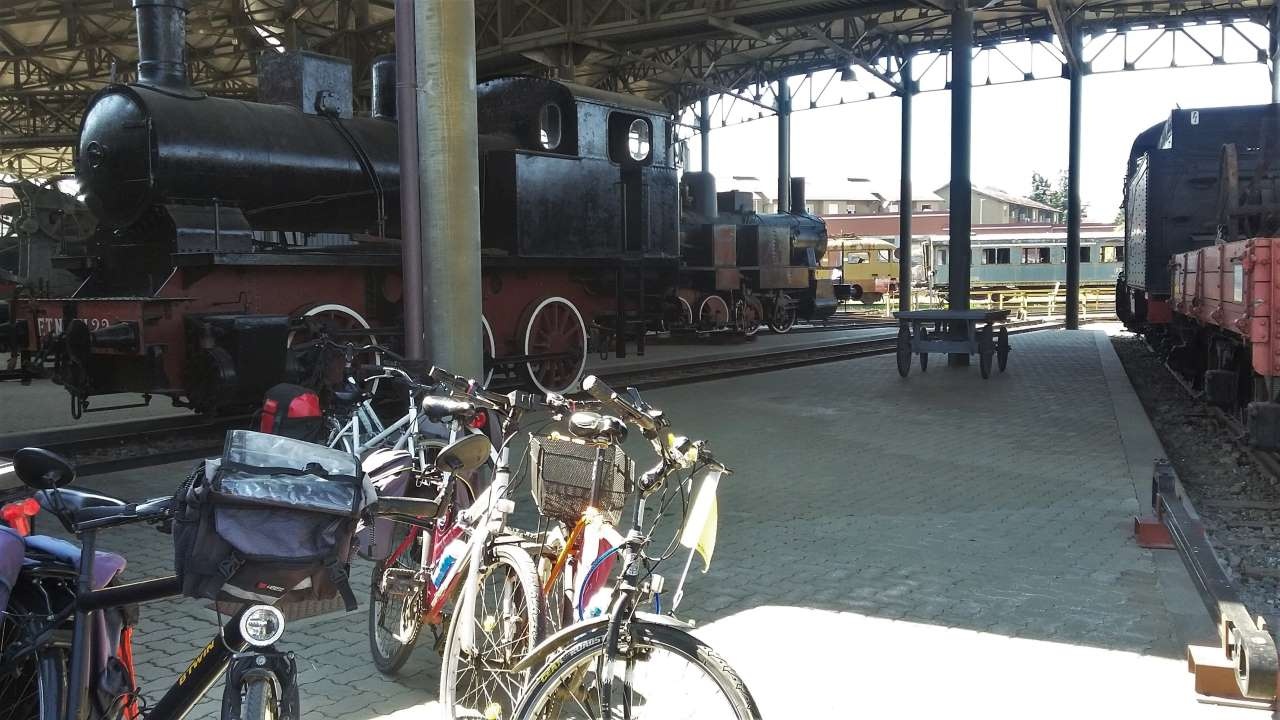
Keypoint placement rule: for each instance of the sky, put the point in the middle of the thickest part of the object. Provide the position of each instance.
(1018, 129)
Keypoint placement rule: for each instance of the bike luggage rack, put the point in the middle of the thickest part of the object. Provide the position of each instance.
(1245, 664)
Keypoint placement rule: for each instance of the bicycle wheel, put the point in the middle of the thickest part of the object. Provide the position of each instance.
(36, 688)
(395, 607)
(665, 673)
(507, 622)
(259, 700)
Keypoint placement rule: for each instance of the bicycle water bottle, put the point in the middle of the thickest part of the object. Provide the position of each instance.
(448, 559)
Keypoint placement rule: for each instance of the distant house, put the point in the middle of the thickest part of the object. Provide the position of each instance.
(762, 193)
(921, 202)
(992, 206)
(847, 196)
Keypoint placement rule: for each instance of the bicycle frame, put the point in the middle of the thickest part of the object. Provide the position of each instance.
(190, 685)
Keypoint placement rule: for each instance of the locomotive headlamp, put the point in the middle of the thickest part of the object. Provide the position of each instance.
(262, 625)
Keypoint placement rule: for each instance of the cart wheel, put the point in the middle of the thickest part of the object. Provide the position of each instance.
(1002, 348)
(904, 351)
(924, 356)
(986, 351)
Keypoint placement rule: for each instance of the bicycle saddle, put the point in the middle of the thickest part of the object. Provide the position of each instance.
(41, 469)
(347, 393)
(594, 426)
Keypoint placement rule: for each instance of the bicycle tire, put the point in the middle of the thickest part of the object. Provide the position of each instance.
(390, 662)
(37, 689)
(516, 561)
(576, 653)
(259, 700)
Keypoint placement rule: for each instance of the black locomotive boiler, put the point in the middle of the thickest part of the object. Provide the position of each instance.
(238, 229)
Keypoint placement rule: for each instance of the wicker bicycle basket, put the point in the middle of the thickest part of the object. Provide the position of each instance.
(562, 474)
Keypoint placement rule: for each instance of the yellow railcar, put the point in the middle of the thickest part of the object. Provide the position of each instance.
(862, 269)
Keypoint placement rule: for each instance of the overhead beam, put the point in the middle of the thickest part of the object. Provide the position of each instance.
(729, 25)
(817, 34)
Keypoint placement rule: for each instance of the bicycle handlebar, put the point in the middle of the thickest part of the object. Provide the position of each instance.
(598, 389)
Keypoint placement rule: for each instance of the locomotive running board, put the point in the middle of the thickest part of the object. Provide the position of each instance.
(1245, 664)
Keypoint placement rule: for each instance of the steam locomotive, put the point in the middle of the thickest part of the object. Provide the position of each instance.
(1202, 196)
(238, 230)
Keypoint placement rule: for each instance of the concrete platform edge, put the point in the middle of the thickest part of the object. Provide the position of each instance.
(1142, 447)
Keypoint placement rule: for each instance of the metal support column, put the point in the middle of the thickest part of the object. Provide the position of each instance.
(704, 131)
(961, 200)
(1076, 71)
(449, 184)
(410, 231)
(1274, 27)
(784, 145)
(904, 191)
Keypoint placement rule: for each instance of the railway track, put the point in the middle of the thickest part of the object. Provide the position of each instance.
(132, 444)
(781, 359)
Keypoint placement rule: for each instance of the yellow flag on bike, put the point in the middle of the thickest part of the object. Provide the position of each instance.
(700, 529)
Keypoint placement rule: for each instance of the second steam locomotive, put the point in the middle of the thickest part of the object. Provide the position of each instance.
(1202, 209)
(237, 230)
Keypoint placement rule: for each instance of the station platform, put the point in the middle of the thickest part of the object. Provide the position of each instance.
(935, 546)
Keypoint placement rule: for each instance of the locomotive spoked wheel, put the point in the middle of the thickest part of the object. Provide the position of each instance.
(783, 318)
(554, 327)
(678, 315)
(1002, 348)
(489, 351)
(986, 351)
(341, 324)
(924, 356)
(904, 351)
(750, 315)
(713, 313)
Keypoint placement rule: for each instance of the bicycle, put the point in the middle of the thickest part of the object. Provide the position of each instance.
(466, 555)
(56, 633)
(623, 662)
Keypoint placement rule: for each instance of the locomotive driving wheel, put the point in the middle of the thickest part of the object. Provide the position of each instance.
(713, 313)
(489, 351)
(341, 324)
(783, 317)
(553, 326)
(750, 314)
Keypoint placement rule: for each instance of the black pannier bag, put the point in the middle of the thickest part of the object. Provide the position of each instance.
(292, 411)
(271, 520)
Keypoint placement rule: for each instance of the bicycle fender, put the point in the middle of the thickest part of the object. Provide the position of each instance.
(564, 636)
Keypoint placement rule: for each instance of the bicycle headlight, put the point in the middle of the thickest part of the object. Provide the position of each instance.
(261, 625)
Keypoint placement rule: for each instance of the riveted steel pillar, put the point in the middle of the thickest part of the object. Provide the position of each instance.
(784, 145)
(961, 213)
(904, 191)
(449, 184)
(1074, 207)
(704, 130)
(410, 229)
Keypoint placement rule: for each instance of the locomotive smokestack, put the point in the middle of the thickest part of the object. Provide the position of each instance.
(797, 196)
(384, 87)
(162, 42)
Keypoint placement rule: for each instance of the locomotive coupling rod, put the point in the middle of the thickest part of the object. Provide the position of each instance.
(1248, 646)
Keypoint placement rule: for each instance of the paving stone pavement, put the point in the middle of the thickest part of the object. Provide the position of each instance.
(888, 548)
